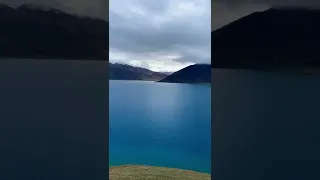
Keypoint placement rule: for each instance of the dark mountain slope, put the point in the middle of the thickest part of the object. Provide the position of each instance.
(126, 72)
(198, 73)
(276, 39)
(30, 32)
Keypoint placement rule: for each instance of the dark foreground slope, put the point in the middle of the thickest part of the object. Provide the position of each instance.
(126, 72)
(198, 73)
(276, 39)
(30, 32)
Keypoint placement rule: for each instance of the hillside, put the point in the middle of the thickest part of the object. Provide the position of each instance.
(198, 73)
(126, 72)
(30, 32)
(275, 39)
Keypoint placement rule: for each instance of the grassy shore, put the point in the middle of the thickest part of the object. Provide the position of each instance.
(138, 172)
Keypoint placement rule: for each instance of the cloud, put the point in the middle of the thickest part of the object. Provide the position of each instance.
(164, 35)
(92, 8)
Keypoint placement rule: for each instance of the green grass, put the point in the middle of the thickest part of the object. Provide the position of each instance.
(138, 172)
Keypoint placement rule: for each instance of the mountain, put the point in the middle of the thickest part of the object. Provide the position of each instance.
(198, 73)
(275, 39)
(30, 32)
(126, 72)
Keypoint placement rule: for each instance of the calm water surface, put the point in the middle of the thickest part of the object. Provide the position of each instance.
(160, 124)
(53, 119)
(265, 125)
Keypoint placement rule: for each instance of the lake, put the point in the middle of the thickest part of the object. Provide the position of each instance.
(160, 124)
(265, 125)
(53, 119)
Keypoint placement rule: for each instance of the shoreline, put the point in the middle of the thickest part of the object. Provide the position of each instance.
(203, 83)
(143, 172)
(208, 84)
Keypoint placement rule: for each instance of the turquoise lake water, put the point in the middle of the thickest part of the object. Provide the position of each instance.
(54, 119)
(265, 125)
(160, 124)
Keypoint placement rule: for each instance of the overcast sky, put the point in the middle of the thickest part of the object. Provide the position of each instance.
(161, 35)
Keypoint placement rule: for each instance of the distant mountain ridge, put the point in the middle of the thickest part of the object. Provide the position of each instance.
(127, 72)
(31, 32)
(275, 39)
(198, 73)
